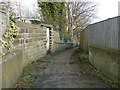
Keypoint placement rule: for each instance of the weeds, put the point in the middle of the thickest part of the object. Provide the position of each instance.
(83, 56)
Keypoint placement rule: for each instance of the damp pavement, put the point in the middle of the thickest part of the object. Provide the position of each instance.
(61, 73)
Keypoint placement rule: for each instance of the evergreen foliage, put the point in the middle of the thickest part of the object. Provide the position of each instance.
(64, 36)
(54, 13)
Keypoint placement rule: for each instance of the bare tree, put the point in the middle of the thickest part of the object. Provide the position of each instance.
(79, 14)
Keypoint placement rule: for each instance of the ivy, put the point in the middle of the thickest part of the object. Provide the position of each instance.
(12, 31)
(54, 13)
(12, 16)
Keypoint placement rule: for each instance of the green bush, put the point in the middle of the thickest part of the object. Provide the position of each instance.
(67, 37)
(12, 17)
(64, 36)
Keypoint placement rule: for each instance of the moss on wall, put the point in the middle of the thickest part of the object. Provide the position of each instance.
(105, 49)
(106, 59)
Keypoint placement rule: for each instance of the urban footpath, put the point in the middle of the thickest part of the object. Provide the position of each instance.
(63, 70)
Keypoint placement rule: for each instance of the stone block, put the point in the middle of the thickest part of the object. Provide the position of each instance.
(105, 59)
(32, 41)
(21, 30)
(30, 31)
(27, 30)
(12, 67)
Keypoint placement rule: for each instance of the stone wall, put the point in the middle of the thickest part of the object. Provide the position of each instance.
(62, 45)
(32, 40)
(56, 38)
(105, 59)
(12, 67)
(29, 46)
(3, 24)
(57, 44)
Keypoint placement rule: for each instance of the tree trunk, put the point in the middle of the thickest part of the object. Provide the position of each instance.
(69, 19)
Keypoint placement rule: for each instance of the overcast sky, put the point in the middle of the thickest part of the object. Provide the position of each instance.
(106, 9)
(28, 7)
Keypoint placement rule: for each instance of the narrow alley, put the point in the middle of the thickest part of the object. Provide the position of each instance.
(63, 71)
(59, 44)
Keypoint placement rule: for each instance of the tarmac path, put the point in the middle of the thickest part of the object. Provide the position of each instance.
(62, 72)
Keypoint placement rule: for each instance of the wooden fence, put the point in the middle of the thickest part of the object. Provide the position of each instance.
(84, 39)
(105, 33)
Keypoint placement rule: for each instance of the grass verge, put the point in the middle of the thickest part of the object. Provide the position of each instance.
(84, 57)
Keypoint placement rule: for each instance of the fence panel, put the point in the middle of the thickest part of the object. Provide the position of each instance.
(84, 39)
(105, 33)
